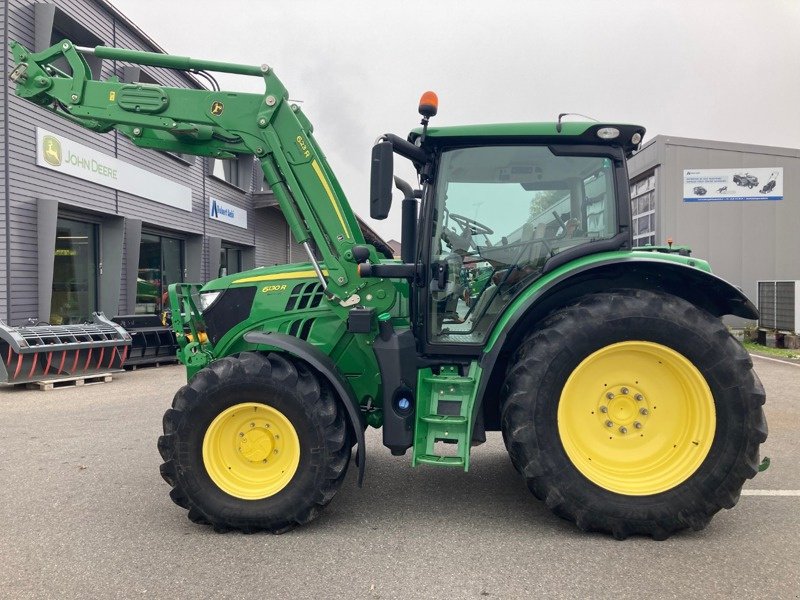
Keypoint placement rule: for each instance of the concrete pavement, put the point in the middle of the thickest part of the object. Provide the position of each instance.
(85, 514)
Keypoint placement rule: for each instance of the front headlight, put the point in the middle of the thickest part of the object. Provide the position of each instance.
(208, 298)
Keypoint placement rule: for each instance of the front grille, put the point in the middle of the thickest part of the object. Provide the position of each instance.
(231, 308)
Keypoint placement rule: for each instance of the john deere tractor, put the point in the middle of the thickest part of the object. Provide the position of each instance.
(623, 401)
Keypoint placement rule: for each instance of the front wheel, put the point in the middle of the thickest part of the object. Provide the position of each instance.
(254, 442)
(633, 412)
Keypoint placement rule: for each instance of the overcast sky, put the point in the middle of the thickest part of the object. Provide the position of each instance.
(727, 70)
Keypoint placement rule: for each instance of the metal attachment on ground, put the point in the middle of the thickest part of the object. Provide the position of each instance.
(44, 352)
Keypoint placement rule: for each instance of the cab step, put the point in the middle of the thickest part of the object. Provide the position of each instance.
(443, 428)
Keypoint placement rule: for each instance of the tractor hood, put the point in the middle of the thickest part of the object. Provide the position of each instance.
(277, 273)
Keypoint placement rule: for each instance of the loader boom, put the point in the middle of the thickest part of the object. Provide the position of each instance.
(216, 124)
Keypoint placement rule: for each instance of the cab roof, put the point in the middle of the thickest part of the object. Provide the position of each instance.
(572, 132)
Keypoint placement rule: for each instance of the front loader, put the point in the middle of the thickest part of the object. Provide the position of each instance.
(518, 305)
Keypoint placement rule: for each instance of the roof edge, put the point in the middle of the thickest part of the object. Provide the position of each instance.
(118, 14)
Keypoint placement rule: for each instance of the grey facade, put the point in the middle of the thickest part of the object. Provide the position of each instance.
(745, 241)
(35, 199)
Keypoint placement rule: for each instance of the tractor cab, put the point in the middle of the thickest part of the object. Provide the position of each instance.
(503, 205)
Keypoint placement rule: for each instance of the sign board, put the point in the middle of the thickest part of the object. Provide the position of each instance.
(732, 185)
(227, 213)
(71, 158)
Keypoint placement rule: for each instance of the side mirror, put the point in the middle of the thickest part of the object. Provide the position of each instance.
(380, 193)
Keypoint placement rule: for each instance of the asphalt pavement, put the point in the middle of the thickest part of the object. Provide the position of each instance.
(84, 513)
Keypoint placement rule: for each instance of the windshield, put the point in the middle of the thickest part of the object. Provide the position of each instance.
(502, 211)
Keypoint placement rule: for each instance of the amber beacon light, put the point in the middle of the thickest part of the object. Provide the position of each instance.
(428, 104)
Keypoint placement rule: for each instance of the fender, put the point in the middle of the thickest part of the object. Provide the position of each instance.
(326, 367)
(683, 279)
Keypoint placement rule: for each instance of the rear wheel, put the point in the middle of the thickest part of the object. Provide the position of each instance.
(254, 442)
(633, 412)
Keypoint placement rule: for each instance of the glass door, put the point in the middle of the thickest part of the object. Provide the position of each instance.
(75, 267)
(230, 260)
(160, 264)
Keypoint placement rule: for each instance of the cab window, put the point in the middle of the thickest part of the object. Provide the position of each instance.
(501, 212)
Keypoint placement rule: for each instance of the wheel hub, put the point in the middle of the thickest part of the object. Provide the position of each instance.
(257, 445)
(622, 409)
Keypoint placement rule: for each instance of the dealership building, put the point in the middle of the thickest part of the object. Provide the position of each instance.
(735, 205)
(92, 222)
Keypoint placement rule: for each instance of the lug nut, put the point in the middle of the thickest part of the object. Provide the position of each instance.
(643, 411)
(609, 423)
(610, 395)
(603, 409)
(639, 397)
(623, 429)
(623, 391)
(637, 425)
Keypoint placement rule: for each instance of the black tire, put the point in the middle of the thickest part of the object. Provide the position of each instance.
(547, 357)
(278, 382)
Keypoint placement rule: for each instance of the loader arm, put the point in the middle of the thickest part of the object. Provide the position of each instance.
(217, 124)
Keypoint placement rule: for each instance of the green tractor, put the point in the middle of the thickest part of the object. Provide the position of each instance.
(623, 400)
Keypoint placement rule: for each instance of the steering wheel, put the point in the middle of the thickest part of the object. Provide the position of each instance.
(474, 227)
(463, 241)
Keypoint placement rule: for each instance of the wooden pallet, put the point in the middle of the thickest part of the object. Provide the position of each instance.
(54, 384)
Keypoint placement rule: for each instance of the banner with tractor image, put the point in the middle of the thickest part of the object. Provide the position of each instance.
(733, 185)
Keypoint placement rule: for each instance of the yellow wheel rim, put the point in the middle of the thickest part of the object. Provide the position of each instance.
(636, 418)
(251, 451)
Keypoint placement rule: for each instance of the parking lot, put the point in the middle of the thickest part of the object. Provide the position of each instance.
(85, 514)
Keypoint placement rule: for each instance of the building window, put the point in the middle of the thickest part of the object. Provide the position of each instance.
(75, 267)
(643, 211)
(236, 171)
(230, 260)
(161, 263)
(52, 24)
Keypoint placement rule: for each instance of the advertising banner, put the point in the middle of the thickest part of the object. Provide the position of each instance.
(733, 185)
(71, 158)
(227, 213)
